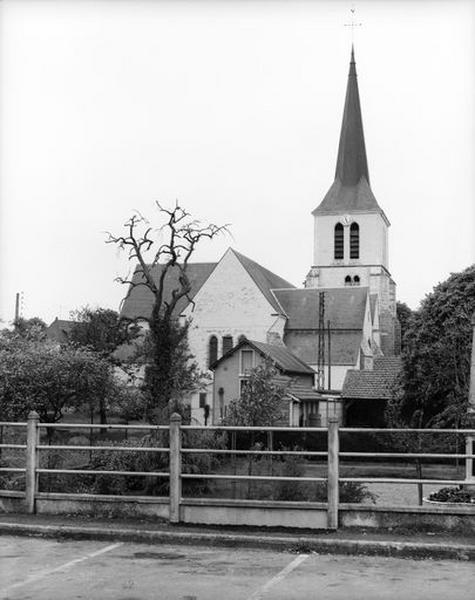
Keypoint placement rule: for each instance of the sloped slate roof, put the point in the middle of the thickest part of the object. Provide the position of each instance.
(373, 298)
(280, 355)
(301, 392)
(351, 163)
(264, 279)
(139, 300)
(376, 384)
(59, 330)
(351, 191)
(283, 357)
(341, 199)
(344, 307)
(345, 346)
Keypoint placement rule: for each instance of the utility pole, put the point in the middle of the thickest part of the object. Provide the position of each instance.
(329, 356)
(17, 307)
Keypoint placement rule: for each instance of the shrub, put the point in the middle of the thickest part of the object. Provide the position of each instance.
(291, 490)
(452, 494)
(352, 492)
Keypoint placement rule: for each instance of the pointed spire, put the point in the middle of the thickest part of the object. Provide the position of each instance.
(350, 192)
(351, 164)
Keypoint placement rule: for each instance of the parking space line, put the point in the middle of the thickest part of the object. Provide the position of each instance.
(257, 595)
(46, 572)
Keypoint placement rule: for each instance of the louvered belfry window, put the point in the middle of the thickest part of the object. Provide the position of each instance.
(338, 248)
(354, 240)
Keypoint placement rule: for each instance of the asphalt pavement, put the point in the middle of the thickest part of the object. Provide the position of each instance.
(50, 569)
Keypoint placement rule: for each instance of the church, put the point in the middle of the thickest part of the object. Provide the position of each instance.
(341, 324)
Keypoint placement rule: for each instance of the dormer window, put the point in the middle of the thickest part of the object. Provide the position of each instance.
(354, 240)
(338, 241)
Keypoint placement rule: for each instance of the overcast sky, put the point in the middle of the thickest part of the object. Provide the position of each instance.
(234, 109)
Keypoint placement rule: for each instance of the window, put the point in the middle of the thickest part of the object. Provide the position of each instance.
(347, 280)
(222, 411)
(354, 240)
(338, 241)
(227, 343)
(212, 350)
(202, 399)
(356, 280)
(247, 361)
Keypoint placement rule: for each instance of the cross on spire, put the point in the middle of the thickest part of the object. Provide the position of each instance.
(353, 24)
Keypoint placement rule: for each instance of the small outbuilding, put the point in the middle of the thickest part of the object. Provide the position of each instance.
(365, 393)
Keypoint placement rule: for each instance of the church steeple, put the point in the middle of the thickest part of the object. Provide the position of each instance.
(350, 244)
(351, 164)
(351, 191)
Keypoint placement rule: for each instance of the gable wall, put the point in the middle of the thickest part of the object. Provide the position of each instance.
(229, 303)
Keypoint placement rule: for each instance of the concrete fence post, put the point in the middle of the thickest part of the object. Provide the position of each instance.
(31, 476)
(469, 448)
(333, 473)
(175, 467)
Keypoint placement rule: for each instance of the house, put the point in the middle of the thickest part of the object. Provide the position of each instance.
(59, 330)
(343, 319)
(231, 373)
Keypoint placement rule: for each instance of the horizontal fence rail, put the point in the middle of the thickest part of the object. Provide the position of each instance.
(174, 446)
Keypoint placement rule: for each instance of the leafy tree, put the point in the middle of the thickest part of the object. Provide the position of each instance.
(433, 389)
(51, 380)
(99, 329)
(436, 360)
(167, 249)
(30, 329)
(261, 399)
(260, 403)
(404, 315)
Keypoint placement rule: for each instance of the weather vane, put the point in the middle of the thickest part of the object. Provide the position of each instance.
(353, 24)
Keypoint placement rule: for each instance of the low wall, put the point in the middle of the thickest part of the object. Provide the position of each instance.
(255, 513)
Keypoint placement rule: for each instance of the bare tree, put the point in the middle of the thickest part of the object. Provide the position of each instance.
(161, 252)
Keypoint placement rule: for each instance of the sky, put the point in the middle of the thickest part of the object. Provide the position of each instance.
(234, 109)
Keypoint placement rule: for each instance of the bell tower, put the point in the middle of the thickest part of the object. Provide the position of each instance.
(350, 228)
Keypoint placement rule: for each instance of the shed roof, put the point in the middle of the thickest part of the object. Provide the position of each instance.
(301, 392)
(376, 384)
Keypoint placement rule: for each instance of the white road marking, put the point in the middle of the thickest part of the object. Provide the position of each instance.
(257, 595)
(46, 572)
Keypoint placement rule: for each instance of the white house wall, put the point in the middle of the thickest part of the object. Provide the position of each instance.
(228, 304)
